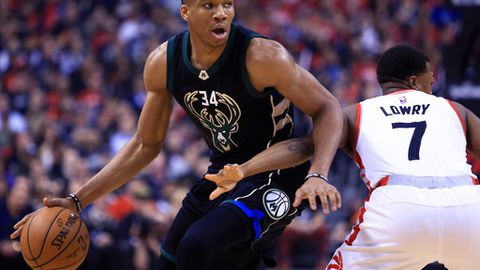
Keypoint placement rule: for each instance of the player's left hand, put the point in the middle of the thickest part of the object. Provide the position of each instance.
(62, 202)
(226, 179)
(328, 195)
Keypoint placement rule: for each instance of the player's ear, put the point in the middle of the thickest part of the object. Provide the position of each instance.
(184, 12)
(412, 82)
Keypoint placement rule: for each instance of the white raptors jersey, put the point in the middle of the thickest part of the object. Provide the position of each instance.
(409, 131)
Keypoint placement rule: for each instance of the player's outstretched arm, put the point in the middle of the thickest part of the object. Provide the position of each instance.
(282, 155)
(139, 151)
(270, 65)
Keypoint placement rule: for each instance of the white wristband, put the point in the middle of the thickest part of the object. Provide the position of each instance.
(316, 175)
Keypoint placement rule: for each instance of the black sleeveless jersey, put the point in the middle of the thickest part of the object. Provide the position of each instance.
(236, 121)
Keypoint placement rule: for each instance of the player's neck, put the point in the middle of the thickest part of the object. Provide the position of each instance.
(391, 87)
(203, 55)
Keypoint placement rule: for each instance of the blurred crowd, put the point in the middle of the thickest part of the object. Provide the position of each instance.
(71, 89)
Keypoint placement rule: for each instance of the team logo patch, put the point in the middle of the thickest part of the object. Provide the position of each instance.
(223, 123)
(276, 203)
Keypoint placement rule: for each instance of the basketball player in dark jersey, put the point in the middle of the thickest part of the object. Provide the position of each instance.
(238, 88)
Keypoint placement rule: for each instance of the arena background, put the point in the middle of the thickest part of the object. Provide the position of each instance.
(71, 89)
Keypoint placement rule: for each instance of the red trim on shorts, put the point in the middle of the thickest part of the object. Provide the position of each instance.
(362, 210)
(383, 181)
(459, 117)
(337, 262)
(475, 181)
(356, 227)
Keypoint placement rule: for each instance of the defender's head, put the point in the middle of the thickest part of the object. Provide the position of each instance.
(208, 20)
(404, 66)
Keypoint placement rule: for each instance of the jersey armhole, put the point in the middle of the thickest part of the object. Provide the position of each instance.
(358, 120)
(246, 80)
(170, 67)
(462, 121)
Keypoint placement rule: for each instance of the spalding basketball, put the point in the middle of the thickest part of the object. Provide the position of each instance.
(54, 238)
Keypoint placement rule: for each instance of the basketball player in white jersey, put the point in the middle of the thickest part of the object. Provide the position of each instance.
(424, 201)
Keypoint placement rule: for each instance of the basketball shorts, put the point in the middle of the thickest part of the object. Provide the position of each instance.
(406, 227)
(263, 201)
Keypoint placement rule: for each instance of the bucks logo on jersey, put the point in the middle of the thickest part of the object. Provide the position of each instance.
(223, 122)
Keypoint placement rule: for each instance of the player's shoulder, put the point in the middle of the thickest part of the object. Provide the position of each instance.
(459, 108)
(267, 51)
(157, 57)
(155, 71)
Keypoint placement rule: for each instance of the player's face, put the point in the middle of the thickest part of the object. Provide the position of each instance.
(424, 81)
(210, 20)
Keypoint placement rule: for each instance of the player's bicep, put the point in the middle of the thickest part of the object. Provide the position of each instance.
(155, 116)
(270, 65)
(312, 93)
(304, 90)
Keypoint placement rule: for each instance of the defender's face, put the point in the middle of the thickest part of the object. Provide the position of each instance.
(210, 20)
(424, 81)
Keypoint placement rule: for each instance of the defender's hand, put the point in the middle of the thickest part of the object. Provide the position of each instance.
(62, 202)
(313, 187)
(226, 179)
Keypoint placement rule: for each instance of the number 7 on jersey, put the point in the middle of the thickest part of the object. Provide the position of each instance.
(416, 141)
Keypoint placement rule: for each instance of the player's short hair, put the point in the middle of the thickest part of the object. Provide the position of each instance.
(400, 62)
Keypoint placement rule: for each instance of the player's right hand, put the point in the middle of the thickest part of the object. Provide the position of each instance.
(61, 202)
(226, 179)
(329, 196)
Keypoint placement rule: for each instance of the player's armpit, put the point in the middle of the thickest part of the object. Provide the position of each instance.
(472, 126)
(473, 133)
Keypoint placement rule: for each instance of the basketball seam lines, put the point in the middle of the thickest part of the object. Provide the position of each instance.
(73, 239)
(69, 264)
(28, 242)
(46, 235)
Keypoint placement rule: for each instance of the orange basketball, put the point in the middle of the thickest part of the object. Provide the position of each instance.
(54, 238)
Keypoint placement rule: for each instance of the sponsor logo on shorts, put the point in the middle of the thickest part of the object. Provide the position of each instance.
(276, 203)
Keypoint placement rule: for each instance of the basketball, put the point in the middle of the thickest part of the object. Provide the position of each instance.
(54, 238)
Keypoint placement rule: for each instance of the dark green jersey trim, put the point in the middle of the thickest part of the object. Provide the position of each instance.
(170, 67)
(227, 201)
(167, 255)
(246, 80)
(216, 66)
